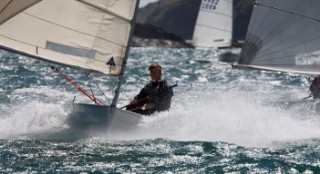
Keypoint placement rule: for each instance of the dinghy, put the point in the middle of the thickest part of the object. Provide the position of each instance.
(91, 36)
(283, 35)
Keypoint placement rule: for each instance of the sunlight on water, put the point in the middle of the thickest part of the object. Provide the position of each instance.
(225, 116)
(212, 102)
(31, 118)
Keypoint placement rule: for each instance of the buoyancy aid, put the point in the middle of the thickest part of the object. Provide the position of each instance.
(315, 87)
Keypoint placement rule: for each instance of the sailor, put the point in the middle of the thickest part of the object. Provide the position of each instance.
(315, 88)
(155, 96)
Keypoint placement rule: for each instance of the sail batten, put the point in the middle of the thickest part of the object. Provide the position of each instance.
(280, 31)
(104, 9)
(215, 28)
(307, 69)
(72, 33)
(10, 8)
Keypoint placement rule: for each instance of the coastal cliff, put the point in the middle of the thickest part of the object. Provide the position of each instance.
(169, 23)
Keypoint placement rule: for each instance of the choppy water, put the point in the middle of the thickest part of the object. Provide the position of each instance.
(222, 120)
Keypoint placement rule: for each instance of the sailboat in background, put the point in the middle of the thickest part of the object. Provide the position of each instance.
(280, 33)
(214, 28)
(283, 36)
(91, 36)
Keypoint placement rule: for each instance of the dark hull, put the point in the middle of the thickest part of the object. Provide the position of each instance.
(101, 117)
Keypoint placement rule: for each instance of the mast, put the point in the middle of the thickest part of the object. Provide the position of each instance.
(232, 25)
(123, 67)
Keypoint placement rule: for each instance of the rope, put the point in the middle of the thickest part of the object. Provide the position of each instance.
(86, 93)
(279, 9)
(94, 81)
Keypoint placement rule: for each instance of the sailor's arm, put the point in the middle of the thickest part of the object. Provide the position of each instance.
(139, 97)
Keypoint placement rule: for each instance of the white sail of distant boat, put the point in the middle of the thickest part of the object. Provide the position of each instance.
(89, 35)
(214, 24)
(214, 29)
(280, 33)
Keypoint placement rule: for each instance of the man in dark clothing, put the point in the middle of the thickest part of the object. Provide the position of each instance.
(155, 96)
(315, 88)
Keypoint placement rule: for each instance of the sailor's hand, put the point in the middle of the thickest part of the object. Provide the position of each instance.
(148, 106)
(134, 102)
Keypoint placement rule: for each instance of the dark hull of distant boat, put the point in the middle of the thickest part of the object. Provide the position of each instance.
(229, 57)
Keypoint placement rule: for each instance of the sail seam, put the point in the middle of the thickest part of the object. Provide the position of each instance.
(105, 10)
(222, 14)
(95, 39)
(6, 6)
(56, 24)
(213, 28)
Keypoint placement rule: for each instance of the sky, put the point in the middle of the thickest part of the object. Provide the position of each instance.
(145, 2)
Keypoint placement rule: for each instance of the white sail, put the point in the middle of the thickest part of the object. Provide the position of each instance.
(214, 24)
(86, 34)
(279, 32)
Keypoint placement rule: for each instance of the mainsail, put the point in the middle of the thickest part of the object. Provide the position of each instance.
(214, 24)
(87, 34)
(281, 31)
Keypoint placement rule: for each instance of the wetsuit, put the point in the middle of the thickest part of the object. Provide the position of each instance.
(315, 88)
(157, 93)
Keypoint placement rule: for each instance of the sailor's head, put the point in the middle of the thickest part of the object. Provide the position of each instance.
(155, 72)
(155, 66)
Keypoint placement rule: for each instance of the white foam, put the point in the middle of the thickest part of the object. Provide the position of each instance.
(31, 117)
(228, 116)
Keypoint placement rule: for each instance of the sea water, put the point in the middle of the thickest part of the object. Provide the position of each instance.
(222, 120)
